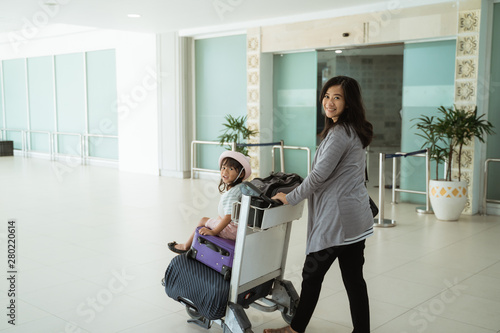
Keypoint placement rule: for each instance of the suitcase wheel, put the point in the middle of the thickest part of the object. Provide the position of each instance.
(191, 253)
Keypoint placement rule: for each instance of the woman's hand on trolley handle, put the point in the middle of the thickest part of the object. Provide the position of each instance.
(281, 197)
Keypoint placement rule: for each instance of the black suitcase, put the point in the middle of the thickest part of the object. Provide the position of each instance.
(198, 286)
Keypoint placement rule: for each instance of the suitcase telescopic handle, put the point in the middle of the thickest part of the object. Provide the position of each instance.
(212, 246)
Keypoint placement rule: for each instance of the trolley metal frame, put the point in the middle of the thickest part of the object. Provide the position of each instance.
(260, 256)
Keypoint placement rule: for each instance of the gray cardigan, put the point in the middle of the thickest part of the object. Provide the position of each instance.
(337, 197)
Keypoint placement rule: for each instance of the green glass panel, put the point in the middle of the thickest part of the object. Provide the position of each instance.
(15, 99)
(70, 100)
(41, 101)
(69, 145)
(493, 141)
(428, 82)
(294, 116)
(103, 147)
(1, 99)
(220, 67)
(101, 102)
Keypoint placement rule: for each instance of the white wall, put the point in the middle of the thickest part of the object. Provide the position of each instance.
(137, 77)
(175, 115)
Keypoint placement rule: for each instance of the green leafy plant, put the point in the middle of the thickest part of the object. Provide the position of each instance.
(236, 131)
(446, 134)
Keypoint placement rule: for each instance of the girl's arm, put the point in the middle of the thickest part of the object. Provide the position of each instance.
(222, 224)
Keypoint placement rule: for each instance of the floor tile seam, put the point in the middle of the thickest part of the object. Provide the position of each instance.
(430, 298)
(59, 314)
(392, 319)
(60, 262)
(403, 264)
(142, 324)
(72, 323)
(416, 308)
(493, 264)
(59, 285)
(130, 294)
(427, 286)
(433, 265)
(452, 244)
(331, 321)
(47, 313)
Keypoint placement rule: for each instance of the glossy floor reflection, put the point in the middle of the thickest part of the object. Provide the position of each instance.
(91, 251)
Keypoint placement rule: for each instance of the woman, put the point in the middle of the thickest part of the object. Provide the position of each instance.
(339, 218)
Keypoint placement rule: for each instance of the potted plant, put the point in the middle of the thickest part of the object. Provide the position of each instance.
(236, 131)
(445, 136)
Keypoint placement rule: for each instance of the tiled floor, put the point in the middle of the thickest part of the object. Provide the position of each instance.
(91, 252)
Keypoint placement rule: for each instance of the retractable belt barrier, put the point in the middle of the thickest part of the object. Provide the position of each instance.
(82, 145)
(485, 185)
(380, 221)
(275, 145)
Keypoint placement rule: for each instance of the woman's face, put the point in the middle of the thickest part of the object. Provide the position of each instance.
(228, 174)
(334, 102)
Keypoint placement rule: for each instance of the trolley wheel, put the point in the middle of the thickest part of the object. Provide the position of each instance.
(227, 275)
(193, 313)
(287, 318)
(288, 315)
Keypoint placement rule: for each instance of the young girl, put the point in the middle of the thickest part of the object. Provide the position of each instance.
(234, 168)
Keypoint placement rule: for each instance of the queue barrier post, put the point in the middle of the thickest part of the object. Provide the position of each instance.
(421, 153)
(380, 221)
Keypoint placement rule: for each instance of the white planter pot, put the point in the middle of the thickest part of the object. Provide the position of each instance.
(448, 198)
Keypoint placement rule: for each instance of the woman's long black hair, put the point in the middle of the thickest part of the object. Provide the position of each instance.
(354, 114)
(231, 163)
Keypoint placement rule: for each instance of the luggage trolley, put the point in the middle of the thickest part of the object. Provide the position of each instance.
(259, 263)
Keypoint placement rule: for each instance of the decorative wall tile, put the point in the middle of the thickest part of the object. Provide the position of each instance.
(253, 61)
(253, 98)
(467, 159)
(253, 78)
(468, 208)
(467, 45)
(466, 91)
(466, 176)
(468, 21)
(253, 95)
(466, 68)
(253, 44)
(253, 112)
(467, 107)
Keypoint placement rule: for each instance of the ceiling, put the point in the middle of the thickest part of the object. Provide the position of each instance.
(190, 17)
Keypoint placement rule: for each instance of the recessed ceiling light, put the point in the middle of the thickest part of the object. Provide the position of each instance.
(133, 15)
(338, 51)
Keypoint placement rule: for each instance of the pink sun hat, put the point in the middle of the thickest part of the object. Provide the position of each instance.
(242, 159)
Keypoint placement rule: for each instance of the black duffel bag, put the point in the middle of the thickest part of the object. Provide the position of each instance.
(277, 182)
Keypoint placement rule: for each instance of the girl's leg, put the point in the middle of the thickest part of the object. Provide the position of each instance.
(351, 262)
(187, 245)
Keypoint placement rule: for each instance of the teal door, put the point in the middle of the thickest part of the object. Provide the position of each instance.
(220, 66)
(294, 110)
(428, 82)
(493, 141)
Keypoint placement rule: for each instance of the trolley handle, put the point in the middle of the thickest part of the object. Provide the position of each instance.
(253, 191)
